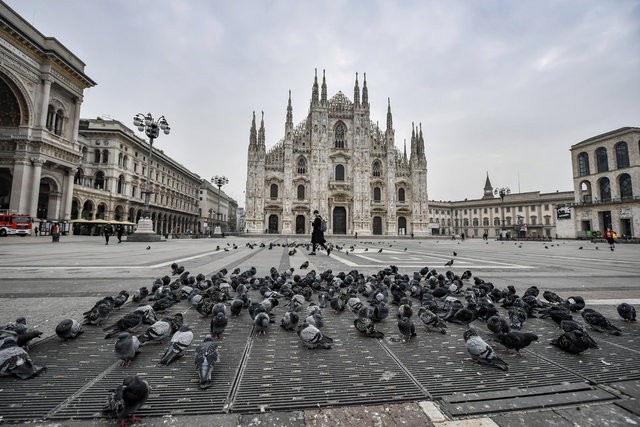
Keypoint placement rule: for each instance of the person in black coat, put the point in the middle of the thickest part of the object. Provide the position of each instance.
(119, 233)
(108, 231)
(317, 234)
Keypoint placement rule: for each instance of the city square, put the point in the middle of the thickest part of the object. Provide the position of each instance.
(274, 374)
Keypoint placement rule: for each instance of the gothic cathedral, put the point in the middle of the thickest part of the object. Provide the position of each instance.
(341, 163)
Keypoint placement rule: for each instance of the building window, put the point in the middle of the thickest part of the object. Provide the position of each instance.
(496, 210)
(340, 131)
(508, 208)
(475, 211)
(626, 189)
(605, 189)
(583, 164)
(465, 222)
(300, 192)
(96, 156)
(376, 168)
(125, 161)
(547, 220)
(496, 221)
(534, 220)
(519, 208)
(120, 184)
(401, 195)
(273, 191)
(602, 161)
(302, 165)
(485, 221)
(98, 183)
(77, 179)
(508, 220)
(377, 194)
(339, 173)
(475, 222)
(622, 155)
(465, 212)
(105, 156)
(485, 210)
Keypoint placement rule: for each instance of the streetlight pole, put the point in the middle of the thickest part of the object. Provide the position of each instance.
(502, 192)
(219, 181)
(152, 128)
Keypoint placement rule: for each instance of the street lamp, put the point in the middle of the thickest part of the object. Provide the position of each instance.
(502, 192)
(152, 129)
(210, 226)
(219, 181)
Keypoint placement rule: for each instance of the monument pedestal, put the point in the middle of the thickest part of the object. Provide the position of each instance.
(144, 232)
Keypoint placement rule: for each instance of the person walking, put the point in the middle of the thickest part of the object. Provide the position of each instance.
(108, 231)
(119, 232)
(611, 236)
(319, 226)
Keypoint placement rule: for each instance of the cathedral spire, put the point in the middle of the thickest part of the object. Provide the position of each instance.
(253, 140)
(314, 91)
(488, 189)
(261, 143)
(365, 93)
(323, 96)
(405, 151)
(389, 117)
(289, 111)
(413, 141)
(421, 142)
(356, 93)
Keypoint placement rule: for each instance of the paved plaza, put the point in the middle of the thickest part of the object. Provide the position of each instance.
(273, 380)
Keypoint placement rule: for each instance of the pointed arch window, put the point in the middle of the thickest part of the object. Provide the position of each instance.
(605, 189)
(99, 181)
(622, 155)
(602, 160)
(339, 173)
(377, 194)
(376, 168)
(302, 165)
(626, 188)
(340, 132)
(300, 192)
(583, 164)
(58, 122)
(401, 196)
(273, 191)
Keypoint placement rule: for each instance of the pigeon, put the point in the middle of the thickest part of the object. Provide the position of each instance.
(218, 325)
(99, 312)
(304, 265)
(148, 247)
(157, 332)
(627, 312)
(180, 341)
(575, 303)
(498, 324)
(68, 329)
(290, 320)
(482, 352)
(140, 294)
(148, 314)
(517, 316)
(431, 320)
(516, 340)
(572, 325)
(127, 323)
(22, 333)
(449, 263)
(120, 299)
(407, 328)
(296, 303)
(261, 323)
(574, 342)
(14, 360)
(127, 399)
(552, 297)
(367, 328)
(127, 347)
(557, 313)
(206, 358)
(599, 323)
(312, 337)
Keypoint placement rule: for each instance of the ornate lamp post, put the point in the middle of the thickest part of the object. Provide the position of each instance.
(210, 223)
(219, 181)
(152, 128)
(502, 192)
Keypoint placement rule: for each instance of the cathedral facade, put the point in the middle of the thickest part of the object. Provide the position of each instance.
(338, 161)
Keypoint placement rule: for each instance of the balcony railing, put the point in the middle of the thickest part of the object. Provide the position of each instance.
(589, 202)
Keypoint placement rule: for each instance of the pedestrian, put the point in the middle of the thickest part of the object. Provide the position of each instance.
(108, 231)
(119, 232)
(462, 236)
(55, 237)
(611, 236)
(319, 226)
(35, 230)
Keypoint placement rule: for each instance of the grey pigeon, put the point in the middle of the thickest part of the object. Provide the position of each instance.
(218, 325)
(312, 337)
(517, 316)
(206, 358)
(574, 342)
(180, 341)
(22, 333)
(552, 297)
(156, 332)
(367, 328)
(407, 328)
(482, 352)
(14, 360)
(290, 321)
(148, 314)
(127, 399)
(128, 322)
(261, 323)
(431, 320)
(140, 294)
(68, 329)
(296, 303)
(127, 346)
(627, 312)
(599, 323)
(120, 299)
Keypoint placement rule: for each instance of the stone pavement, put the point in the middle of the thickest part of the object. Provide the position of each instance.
(47, 282)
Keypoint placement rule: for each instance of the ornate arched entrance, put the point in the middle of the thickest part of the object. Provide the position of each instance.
(300, 224)
(339, 220)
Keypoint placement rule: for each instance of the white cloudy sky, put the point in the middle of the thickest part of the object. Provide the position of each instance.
(499, 86)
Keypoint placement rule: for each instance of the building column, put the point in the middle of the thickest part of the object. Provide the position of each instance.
(20, 201)
(76, 121)
(44, 103)
(35, 186)
(67, 194)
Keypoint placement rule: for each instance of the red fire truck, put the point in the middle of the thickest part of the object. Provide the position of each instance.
(12, 224)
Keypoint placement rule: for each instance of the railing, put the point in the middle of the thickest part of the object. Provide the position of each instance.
(606, 201)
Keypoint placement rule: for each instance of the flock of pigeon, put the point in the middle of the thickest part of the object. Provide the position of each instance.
(433, 299)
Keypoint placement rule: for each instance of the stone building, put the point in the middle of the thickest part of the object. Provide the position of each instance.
(531, 214)
(41, 91)
(606, 180)
(338, 161)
